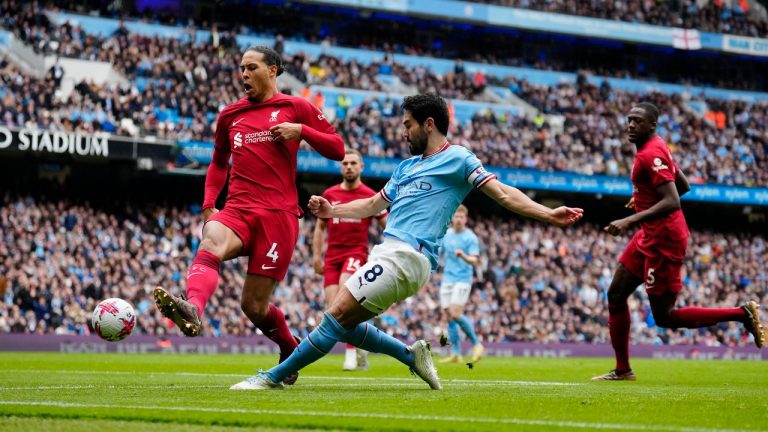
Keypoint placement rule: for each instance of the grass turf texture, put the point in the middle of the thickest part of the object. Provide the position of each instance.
(69, 392)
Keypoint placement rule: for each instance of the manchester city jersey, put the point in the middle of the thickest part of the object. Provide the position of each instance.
(425, 193)
(455, 268)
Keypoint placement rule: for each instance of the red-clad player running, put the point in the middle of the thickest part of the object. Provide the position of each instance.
(655, 254)
(261, 133)
(347, 241)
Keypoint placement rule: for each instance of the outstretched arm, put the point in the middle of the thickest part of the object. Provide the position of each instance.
(514, 200)
(359, 209)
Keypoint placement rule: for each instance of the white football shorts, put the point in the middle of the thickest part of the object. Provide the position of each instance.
(454, 293)
(394, 272)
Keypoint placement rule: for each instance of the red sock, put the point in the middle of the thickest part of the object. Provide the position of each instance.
(276, 329)
(696, 317)
(202, 278)
(350, 346)
(618, 325)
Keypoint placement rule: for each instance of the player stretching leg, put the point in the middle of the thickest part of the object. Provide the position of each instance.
(347, 242)
(261, 133)
(424, 192)
(655, 254)
(460, 250)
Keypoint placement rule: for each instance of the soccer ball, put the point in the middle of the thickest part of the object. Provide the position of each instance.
(113, 319)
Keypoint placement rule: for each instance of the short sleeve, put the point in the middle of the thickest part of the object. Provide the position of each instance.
(660, 166)
(389, 192)
(474, 173)
(473, 246)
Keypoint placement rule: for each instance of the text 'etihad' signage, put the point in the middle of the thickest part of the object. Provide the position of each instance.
(37, 140)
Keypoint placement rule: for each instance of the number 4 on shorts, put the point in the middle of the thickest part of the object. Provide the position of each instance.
(273, 252)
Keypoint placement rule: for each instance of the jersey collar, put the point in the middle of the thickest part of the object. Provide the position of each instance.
(442, 149)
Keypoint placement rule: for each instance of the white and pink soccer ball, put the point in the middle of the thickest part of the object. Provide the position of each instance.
(113, 319)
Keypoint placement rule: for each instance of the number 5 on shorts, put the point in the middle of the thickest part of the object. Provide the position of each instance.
(650, 280)
(273, 253)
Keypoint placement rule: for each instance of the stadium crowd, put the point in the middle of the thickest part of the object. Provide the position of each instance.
(181, 104)
(592, 137)
(178, 87)
(718, 16)
(535, 282)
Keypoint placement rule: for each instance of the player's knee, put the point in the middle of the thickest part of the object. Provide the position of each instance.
(615, 296)
(255, 312)
(210, 245)
(666, 320)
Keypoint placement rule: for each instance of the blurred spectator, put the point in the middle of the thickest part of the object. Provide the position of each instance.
(719, 16)
(535, 282)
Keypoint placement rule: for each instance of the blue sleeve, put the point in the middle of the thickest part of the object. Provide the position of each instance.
(389, 192)
(474, 172)
(473, 246)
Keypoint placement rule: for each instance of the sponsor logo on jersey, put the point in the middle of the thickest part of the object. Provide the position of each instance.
(659, 165)
(237, 121)
(238, 140)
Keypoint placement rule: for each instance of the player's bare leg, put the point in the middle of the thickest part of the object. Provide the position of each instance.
(354, 358)
(257, 292)
(622, 286)
(219, 243)
(666, 315)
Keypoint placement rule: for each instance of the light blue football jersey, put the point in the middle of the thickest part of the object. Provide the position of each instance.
(456, 269)
(426, 191)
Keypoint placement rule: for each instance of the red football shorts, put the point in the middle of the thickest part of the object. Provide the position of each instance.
(347, 263)
(268, 236)
(659, 273)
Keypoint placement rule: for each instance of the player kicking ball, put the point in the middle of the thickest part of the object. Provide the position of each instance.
(423, 194)
(261, 133)
(460, 253)
(655, 254)
(347, 242)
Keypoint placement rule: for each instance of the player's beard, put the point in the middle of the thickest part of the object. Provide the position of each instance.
(418, 144)
(351, 178)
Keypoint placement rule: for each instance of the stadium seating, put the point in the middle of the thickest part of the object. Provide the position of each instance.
(178, 87)
(734, 17)
(537, 283)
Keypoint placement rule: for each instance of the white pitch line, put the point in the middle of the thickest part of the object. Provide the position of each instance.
(108, 386)
(390, 416)
(303, 377)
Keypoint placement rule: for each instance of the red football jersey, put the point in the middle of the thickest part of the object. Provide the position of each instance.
(347, 235)
(263, 173)
(653, 167)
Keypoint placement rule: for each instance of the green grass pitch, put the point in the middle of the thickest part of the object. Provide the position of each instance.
(75, 392)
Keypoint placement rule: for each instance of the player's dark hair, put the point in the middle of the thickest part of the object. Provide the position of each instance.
(428, 105)
(651, 111)
(271, 57)
(355, 152)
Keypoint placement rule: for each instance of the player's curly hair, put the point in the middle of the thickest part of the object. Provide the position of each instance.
(424, 106)
(271, 57)
(651, 110)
